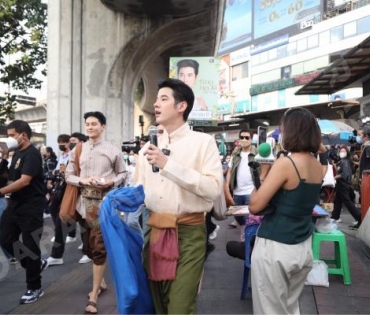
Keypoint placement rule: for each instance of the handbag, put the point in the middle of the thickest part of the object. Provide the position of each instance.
(67, 210)
(329, 179)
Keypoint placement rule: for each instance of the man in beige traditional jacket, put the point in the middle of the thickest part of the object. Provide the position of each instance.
(188, 181)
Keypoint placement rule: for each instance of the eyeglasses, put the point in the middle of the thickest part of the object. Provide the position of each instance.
(245, 137)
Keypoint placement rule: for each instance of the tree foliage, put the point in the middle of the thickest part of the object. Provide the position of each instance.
(23, 48)
(23, 42)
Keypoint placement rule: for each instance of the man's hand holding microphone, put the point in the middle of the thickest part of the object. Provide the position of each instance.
(155, 156)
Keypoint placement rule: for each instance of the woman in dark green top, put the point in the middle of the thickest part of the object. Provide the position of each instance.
(282, 255)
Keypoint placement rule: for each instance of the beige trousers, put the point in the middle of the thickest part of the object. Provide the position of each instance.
(278, 273)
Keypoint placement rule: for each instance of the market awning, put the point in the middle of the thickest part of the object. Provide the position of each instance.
(351, 67)
(266, 114)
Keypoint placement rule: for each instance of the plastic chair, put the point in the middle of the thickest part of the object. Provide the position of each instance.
(341, 255)
(250, 232)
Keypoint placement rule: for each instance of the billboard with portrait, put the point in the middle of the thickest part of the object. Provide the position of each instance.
(202, 75)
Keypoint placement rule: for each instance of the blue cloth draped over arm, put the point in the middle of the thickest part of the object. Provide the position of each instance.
(124, 246)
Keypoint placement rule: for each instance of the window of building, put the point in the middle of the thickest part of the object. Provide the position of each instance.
(291, 49)
(363, 25)
(324, 38)
(314, 64)
(336, 34)
(264, 57)
(270, 76)
(240, 71)
(349, 29)
(272, 54)
(281, 51)
(286, 72)
(313, 41)
(302, 45)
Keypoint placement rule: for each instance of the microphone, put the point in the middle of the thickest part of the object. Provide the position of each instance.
(265, 154)
(255, 175)
(153, 139)
(257, 183)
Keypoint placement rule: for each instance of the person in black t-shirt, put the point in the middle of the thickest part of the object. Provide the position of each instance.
(24, 214)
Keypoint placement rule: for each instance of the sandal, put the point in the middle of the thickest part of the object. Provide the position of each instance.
(100, 292)
(93, 304)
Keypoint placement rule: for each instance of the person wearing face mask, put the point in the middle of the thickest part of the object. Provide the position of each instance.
(50, 162)
(76, 137)
(130, 168)
(343, 187)
(239, 174)
(125, 157)
(58, 187)
(24, 214)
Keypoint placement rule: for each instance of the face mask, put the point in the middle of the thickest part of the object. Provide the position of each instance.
(12, 143)
(343, 155)
(72, 145)
(125, 157)
(243, 143)
(131, 159)
(358, 139)
(62, 147)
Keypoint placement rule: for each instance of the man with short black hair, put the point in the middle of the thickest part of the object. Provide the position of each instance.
(24, 214)
(101, 168)
(186, 185)
(239, 175)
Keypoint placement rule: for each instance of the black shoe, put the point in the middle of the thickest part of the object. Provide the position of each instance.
(210, 249)
(354, 227)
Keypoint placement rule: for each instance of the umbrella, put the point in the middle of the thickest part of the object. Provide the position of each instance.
(274, 134)
(333, 127)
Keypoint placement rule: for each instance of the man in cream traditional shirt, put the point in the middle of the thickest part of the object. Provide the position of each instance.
(188, 181)
(102, 167)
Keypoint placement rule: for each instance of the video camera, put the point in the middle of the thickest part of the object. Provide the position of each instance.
(56, 177)
(131, 145)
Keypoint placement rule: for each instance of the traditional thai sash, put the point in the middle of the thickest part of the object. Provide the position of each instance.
(163, 245)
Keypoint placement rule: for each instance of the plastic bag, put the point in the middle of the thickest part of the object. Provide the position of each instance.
(329, 179)
(318, 275)
(325, 225)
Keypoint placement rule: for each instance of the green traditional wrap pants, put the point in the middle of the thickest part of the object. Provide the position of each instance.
(179, 296)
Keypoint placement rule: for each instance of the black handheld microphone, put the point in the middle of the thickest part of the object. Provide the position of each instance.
(153, 139)
(257, 183)
(255, 175)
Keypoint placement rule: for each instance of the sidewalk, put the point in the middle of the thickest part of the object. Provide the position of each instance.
(66, 286)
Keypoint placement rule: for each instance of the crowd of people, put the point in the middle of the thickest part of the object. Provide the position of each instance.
(181, 186)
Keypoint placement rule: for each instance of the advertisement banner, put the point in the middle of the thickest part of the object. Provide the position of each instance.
(272, 16)
(237, 25)
(202, 75)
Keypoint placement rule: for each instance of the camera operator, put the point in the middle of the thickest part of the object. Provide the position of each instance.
(58, 188)
(50, 163)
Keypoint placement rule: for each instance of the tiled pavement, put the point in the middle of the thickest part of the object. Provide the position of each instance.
(66, 286)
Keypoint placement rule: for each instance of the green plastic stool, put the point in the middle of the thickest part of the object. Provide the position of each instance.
(341, 254)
